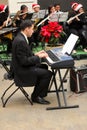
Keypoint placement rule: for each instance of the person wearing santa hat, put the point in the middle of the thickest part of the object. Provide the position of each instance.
(82, 18)
(3, 8)
(4, 20)
(4, 15)
(35, 17)
(73, 5)
(72, 11)
(36, 9)
(76, 25)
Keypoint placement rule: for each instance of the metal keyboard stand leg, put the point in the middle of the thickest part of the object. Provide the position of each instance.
(57, 90)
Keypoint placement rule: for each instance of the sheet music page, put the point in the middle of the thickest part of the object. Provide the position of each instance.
(70, 43)
(63, 17)
(42, 13)
(54, 17)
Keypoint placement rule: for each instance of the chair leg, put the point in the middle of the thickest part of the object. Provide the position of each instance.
(2, 98)
(26, 95)
(4, 101)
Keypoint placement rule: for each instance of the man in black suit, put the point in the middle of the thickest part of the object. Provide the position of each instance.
(28, 65)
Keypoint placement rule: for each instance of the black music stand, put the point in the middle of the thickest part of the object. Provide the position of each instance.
(60, 88)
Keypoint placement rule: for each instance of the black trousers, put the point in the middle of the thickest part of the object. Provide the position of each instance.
(40, 77)
(43, 79)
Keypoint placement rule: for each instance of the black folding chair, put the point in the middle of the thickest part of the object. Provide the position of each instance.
(19, 85)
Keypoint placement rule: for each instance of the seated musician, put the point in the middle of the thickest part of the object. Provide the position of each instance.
(77, 23)
(35, 17)
(27, 66)
(58, 8)
(22, 14)
(4, 20)
(4, 16)
(36, 9)
(53, 16)
(72, 12)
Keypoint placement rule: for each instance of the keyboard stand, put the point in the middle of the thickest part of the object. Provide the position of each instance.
(60, 89)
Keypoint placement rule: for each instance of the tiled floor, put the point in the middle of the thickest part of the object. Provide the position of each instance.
(20, 115)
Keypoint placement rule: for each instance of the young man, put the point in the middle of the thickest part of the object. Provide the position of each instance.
(28, 66)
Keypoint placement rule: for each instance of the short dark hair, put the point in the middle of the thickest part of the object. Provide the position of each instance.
(23, 7)
(26, 23)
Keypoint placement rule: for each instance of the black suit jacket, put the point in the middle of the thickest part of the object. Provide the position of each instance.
(23, 60)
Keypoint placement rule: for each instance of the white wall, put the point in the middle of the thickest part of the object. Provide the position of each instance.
(14, 5)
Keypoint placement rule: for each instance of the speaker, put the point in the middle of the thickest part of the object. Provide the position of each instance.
(78, 79)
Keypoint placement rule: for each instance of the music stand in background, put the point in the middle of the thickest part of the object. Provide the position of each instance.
(42, 13)
(63, 17)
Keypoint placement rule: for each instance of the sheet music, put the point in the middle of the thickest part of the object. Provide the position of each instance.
(70, 43)
(63, 52)
(42, 13)
(63, 17)
(54, 17)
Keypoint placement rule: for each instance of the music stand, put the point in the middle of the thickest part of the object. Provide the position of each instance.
(63, 17)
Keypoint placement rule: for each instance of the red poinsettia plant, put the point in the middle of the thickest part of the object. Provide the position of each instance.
(51, 32)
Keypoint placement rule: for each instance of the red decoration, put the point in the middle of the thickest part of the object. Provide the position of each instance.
(51, 32)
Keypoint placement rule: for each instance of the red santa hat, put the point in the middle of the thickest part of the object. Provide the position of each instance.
(73, 4)
(2, 8)
(78, 7)
(35, 5)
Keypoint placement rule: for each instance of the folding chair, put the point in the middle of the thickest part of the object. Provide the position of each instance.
(19, 86)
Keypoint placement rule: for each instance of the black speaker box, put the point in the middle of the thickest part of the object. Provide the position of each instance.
(78, 79)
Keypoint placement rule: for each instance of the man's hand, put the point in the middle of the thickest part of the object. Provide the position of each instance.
(42, 54)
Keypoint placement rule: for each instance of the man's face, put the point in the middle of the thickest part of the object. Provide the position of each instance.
(37, 9)
(57, 8)
(25, 9)
(29, 31)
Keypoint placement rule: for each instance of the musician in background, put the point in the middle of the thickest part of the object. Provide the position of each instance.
(4, 21)
(4, 16)
(36, 9)
(53, 17)
(21, 15)
(58, 8)
(76, 25)
(35, 17)
(72, 12)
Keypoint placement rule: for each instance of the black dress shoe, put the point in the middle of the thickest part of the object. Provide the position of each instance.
(40, 100)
